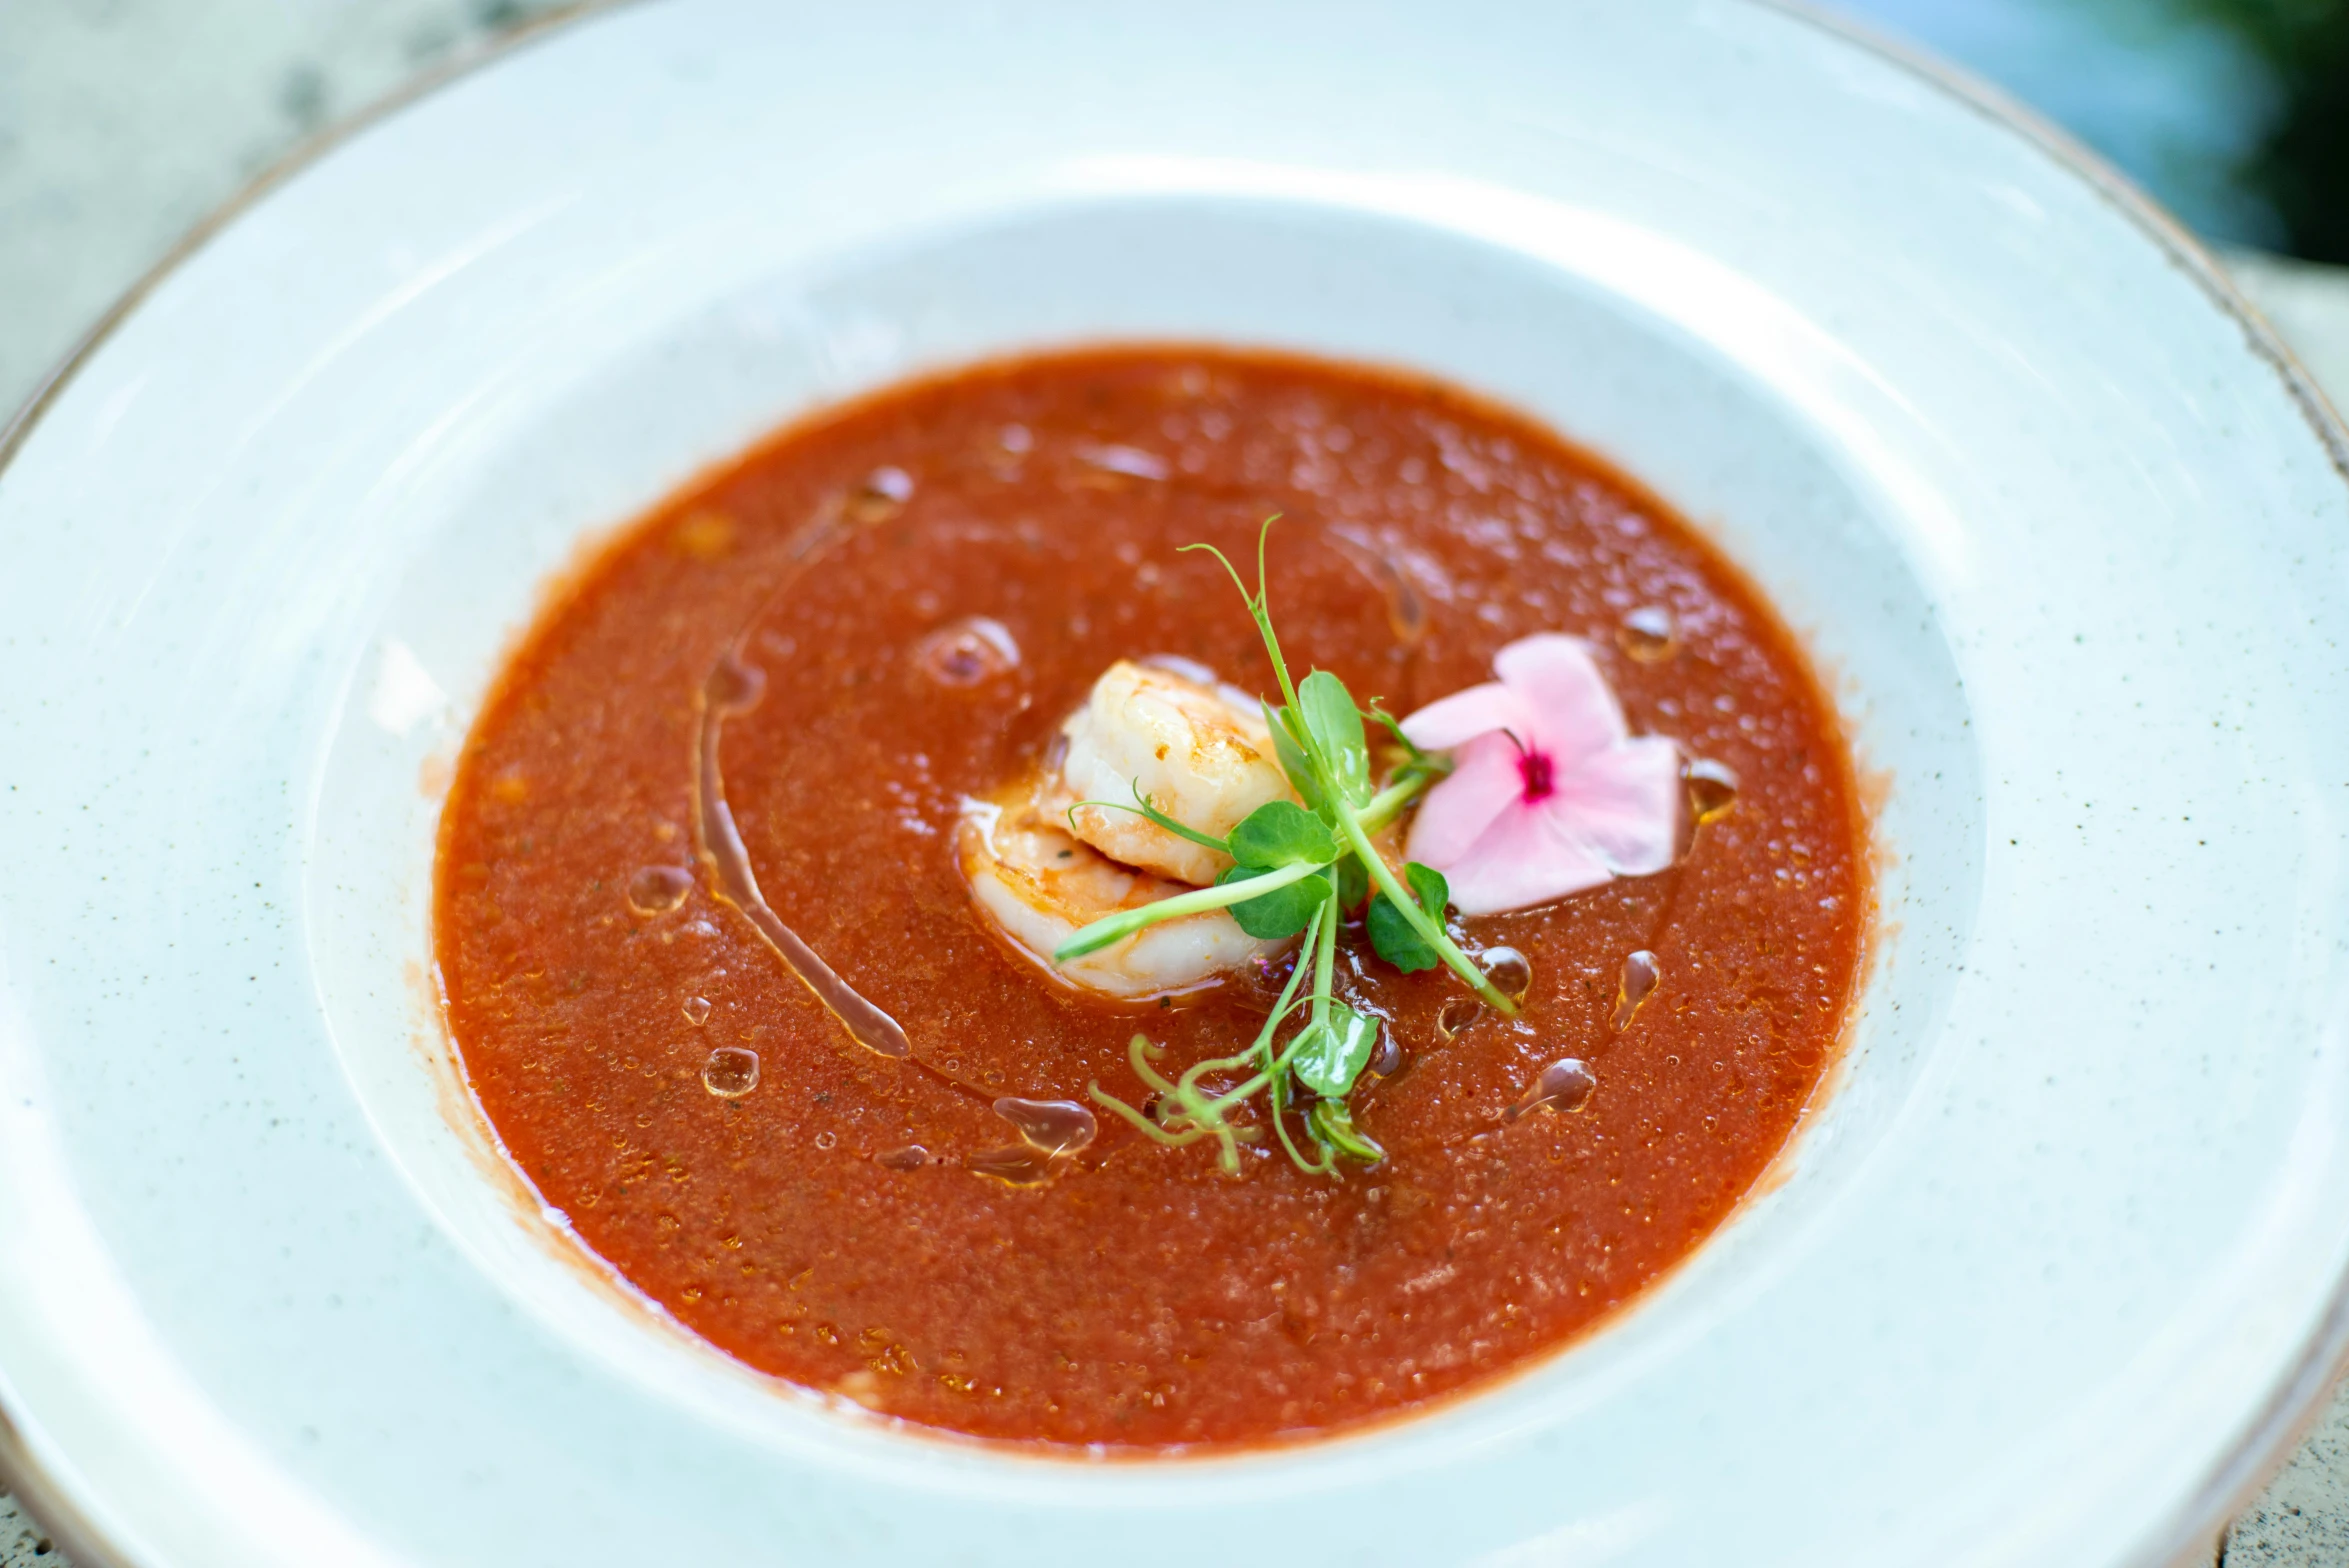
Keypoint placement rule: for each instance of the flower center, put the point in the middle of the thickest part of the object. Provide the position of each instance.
(1534, 768)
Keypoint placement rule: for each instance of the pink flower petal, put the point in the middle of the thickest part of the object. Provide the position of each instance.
(1624, 804)
(1614, 803)
(1484, 782)
(1522, 860)
(1461, 717)
(1574, 710)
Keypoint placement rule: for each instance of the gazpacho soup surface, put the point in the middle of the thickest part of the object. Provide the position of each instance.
(844, 914)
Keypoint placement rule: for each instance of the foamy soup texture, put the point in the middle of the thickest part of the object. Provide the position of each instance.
(719, 980)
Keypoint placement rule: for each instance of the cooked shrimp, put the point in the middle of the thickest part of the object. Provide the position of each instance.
(1199, 752)
(1038, 884)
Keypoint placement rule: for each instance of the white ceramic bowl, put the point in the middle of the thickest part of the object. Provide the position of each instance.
(2053, 1271)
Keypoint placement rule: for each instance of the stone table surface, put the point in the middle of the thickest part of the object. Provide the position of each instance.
(123, 122)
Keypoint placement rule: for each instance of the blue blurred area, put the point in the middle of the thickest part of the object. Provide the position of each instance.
(2208, 104)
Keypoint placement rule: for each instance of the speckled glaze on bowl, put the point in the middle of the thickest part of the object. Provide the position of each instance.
(2052, 1272)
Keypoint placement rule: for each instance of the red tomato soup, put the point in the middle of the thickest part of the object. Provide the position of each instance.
(879, 614)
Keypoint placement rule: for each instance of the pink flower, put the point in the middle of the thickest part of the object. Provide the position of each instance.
(1549, 792)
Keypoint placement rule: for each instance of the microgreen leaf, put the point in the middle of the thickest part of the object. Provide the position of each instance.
(1299, 870)
(1284, 911)
(1334, 735)
(1393, 935)
(1353, 882)
(1282, 833)
(1332, 1051)
(1291, 756)
(1332, 1125)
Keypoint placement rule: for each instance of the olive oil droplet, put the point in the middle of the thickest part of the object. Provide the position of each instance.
(880, 495)
(1049, 1131)
(1261, 982)
(1019, 1164)
(1564, 1085)
(966, 652)
(1051, 1126)
(1406, 611)
(1641, 971)
(731, 1072)
(1510, 972)
(1457, 1014)
(697, 1010)
(733, 687)
(1648, 634)
(658, 889)
(705, 536)
(910, 1158)
(1712, 790)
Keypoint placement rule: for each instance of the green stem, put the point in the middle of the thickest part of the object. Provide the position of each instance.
(1277, 1089)
(1325, 959)
(1383, 807)
(1272, 646)
(1143, 1124)
(1187, 1087)
(1324, 948)
(1429, 932)
(1262, 1048)
(1274, 1080)
(1201, 1116)
(1150, 813)
(1288, 997)
(1278, 1099)
(1114, 928)
(1258, 608)
(1262, 609)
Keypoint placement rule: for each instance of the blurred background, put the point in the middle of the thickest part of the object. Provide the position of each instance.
(124, 122)
(2234, 113)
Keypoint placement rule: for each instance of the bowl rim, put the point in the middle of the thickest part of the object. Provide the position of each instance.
(2291, 1408)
